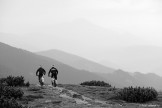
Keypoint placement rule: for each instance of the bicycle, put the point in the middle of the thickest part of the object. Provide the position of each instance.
(41, 81)
(54, 82)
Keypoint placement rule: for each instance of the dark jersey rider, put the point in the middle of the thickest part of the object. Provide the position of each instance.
(53, 72)
(40, 72)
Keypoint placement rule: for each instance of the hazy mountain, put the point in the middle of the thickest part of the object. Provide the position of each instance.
(149, 79)
(5, 71)
(108, 63)
(125, 79)
(20, 62)
(136, 58)
(76, 61)
(118, 78)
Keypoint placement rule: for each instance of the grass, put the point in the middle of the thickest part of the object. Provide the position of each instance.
(94, 92)
(37, 97)
(32, 97)
(34, 89)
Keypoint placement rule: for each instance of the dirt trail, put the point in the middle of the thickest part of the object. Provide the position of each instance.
(60, 97)
(69, 94)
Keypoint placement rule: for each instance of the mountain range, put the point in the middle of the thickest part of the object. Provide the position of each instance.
(125, 79)
(142, 58)
(76, 61)
(72, 69)
(14, 61)
(117, 77)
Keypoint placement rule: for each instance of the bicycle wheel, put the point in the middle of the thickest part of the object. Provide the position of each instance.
(41, 81)
(54, 83)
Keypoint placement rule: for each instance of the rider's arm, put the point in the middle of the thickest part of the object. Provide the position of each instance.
(37, 72)
(57, 71)
(44, 71)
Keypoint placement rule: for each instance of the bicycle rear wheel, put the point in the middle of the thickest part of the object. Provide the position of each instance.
(41, 81)
(54, 84)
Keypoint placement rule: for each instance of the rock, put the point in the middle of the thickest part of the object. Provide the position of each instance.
(78, 96)
(48, 101)
(86, 98)
(56, 101)
(65, 96)
(78, 101)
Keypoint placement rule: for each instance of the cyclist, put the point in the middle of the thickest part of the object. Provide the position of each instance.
(40, 72)
(53, 72)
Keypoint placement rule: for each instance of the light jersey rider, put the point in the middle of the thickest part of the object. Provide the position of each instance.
(40, 72)
(54, 72)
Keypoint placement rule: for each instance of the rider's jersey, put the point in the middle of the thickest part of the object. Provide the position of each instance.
(53, 72)
(40, 72)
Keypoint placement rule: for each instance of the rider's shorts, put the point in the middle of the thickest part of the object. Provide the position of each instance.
(41, 78)
(54, 76)
(53, 79)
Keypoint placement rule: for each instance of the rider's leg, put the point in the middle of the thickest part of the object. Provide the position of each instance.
(55, 80)
(39, 79)
(52, 81)
(42, 80)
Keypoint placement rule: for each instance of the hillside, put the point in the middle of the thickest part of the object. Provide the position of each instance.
(141, 58)
(15, 62)
(5, 71)
(122, 78)
(76, 96)
(76, 61)
(118, 78)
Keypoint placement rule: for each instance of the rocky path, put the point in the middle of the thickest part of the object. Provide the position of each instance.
(60, 97)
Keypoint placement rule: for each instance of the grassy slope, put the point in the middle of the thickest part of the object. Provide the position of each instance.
(17, 62)
(61, 97)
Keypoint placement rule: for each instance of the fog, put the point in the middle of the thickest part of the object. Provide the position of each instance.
(88, 28)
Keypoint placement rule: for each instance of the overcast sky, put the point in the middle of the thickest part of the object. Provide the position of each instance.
(142, 18)
(37, 25)
(139, 18)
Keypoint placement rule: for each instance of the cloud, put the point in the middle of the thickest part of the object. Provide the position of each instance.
(136, 16)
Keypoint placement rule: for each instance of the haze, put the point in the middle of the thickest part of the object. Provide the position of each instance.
(87, 28)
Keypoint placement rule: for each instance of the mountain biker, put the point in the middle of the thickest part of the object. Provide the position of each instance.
(54, 72)
(40, 72)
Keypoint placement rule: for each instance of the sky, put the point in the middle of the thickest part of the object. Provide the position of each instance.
(80, 26)
(142, 18)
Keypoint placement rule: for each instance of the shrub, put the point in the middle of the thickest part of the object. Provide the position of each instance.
(137, 94)
(96, 83)
(10, 92)
(8, 96)
(19, 81)
(27, 84)
(3, 81)
(9, 103)
(14, 81)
